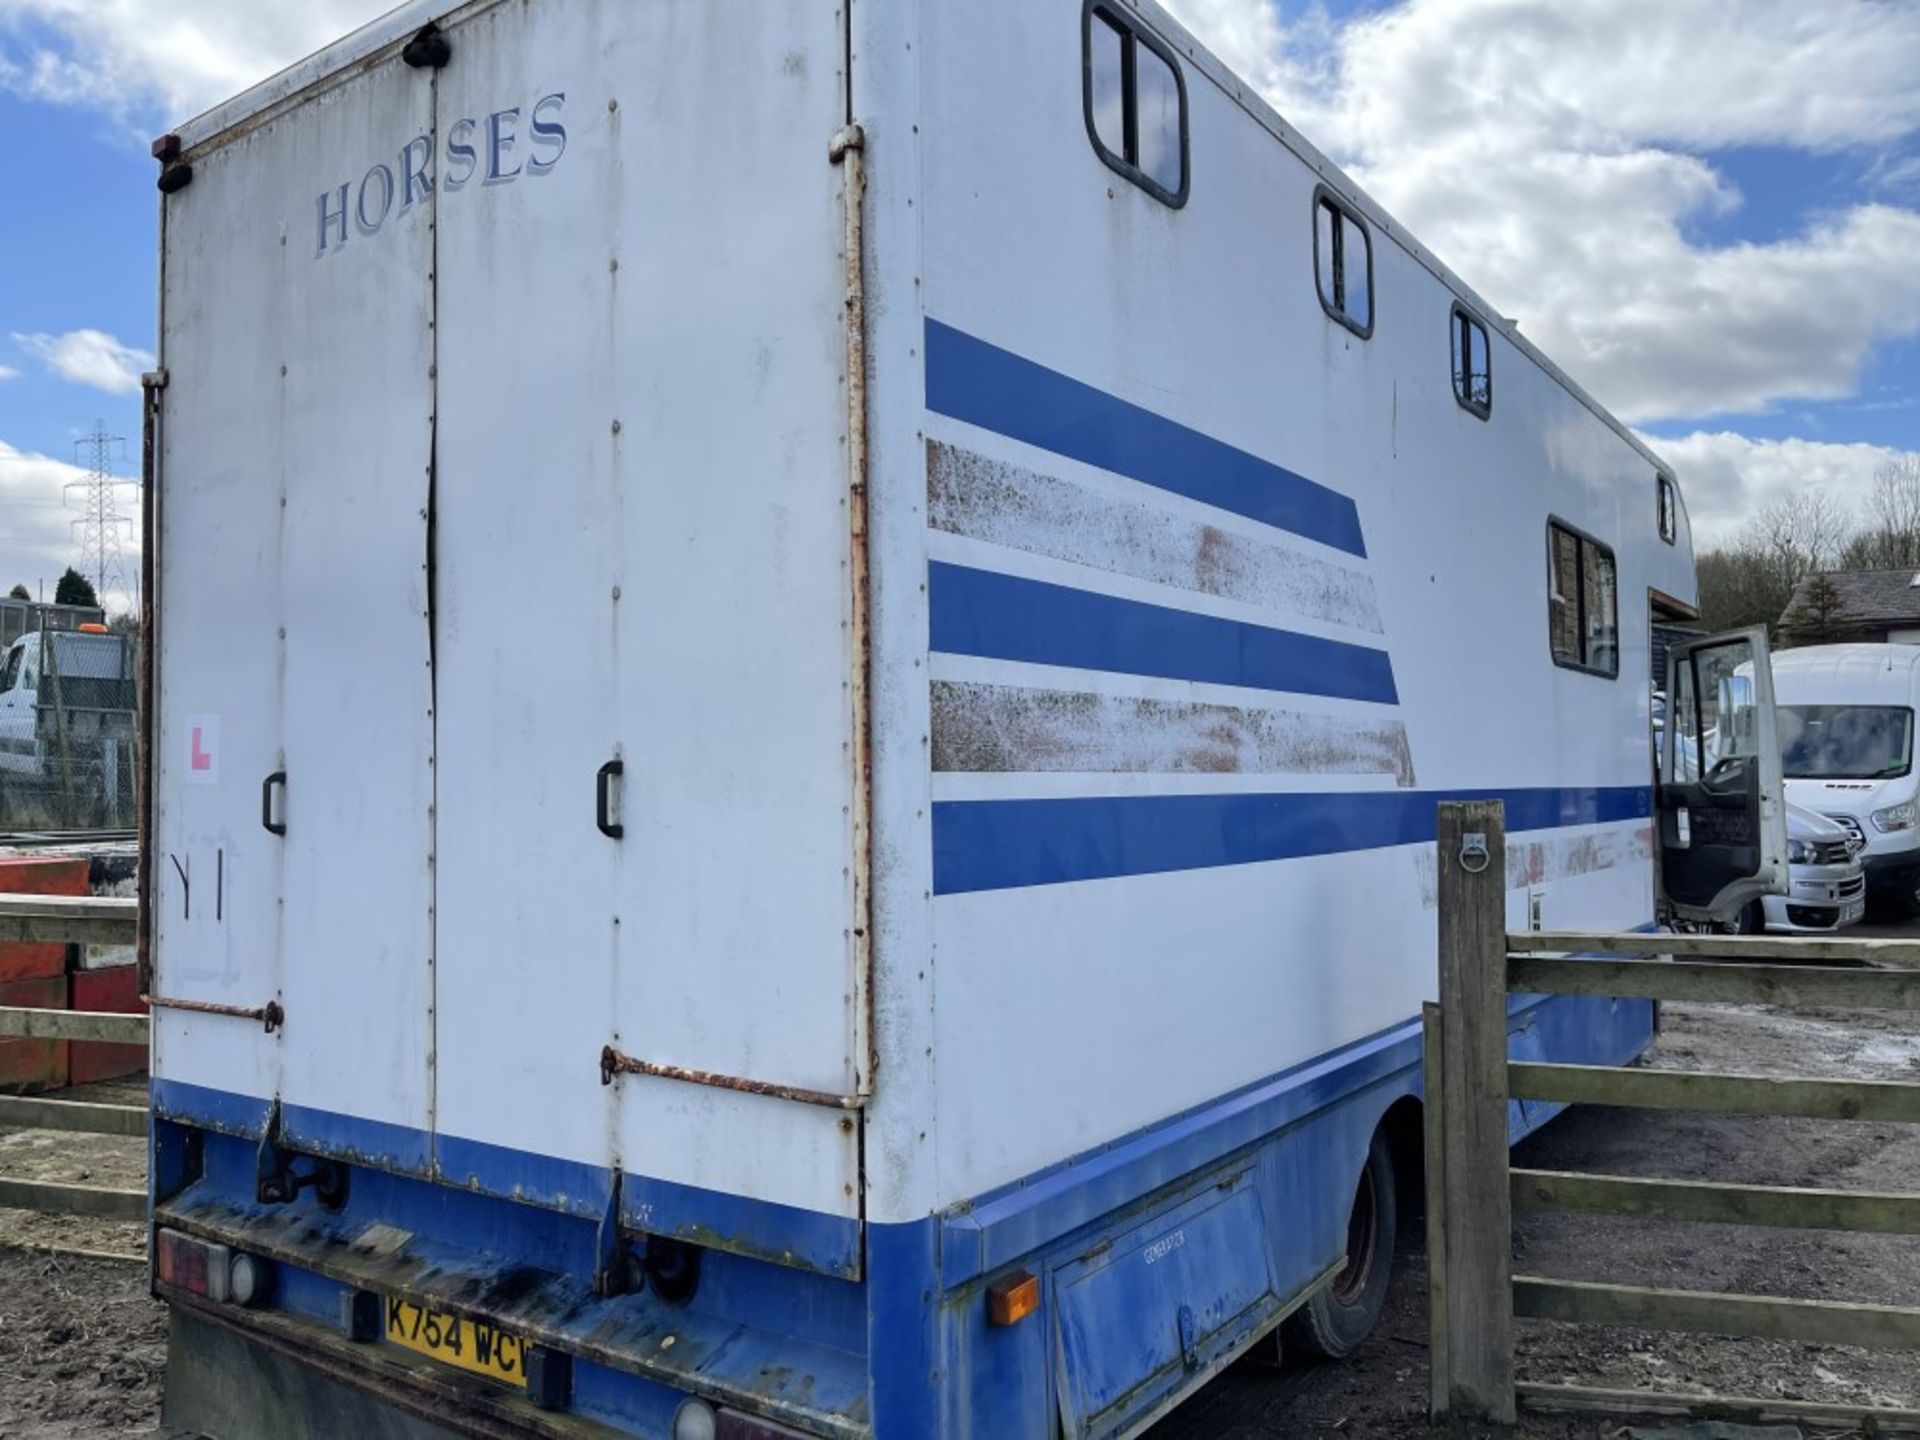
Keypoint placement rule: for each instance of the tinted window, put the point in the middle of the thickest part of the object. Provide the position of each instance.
(1326, 226)
(1343, 264)
(1106, 82)
(1472, 368)
(1160, 119)
(1600, 608)
(1136, 103)
(1563, 595)
(1583, 602)
(1356, 269)
(1669, 510)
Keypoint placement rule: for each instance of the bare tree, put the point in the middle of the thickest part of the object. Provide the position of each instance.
(1752, 581)
(1800, 533)
(1891, 539)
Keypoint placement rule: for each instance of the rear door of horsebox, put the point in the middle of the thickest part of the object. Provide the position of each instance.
(642, 608)
(294, 751)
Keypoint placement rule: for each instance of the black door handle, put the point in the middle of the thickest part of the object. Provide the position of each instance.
(603, 799)
(279, 777)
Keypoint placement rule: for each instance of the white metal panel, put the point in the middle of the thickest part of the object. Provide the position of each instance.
(901, 1182)
(292, 601)
(216, 873)
(358, 430)
(1131, 998)
(642, 541)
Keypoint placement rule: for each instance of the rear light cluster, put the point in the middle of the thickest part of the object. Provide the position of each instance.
(697, 1420)
(213, 1272)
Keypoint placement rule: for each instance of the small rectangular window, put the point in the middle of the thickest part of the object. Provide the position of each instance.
(1583, 602)
(1669, 510)
(1472, 364)
(1106, 83)
(1136, 103)
(1343, 263)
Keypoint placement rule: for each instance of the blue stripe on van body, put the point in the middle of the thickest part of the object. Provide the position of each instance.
(760, 1229)
(1005, 617)
(981, 384)
(1010, 844)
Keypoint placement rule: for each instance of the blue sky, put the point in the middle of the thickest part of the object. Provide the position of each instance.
(1709, 214)
(85, 261)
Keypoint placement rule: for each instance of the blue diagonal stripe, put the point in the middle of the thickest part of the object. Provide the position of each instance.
(1005, 844)
(981, 384)
(1004, 617)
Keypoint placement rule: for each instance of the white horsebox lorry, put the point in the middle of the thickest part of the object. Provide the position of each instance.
(806, 654)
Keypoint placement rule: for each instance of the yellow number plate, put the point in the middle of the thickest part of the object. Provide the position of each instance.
(471, 1345)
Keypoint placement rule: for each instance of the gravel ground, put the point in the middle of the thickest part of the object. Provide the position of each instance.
(82, 1345)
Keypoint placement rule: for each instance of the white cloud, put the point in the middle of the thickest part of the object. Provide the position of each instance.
(161, 61)
(1726, 477)
(1541, 147)
(90, 357)
(7, 372)
(36, 542)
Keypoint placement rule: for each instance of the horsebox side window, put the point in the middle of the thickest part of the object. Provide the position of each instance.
(1669, 510)
(1472, 365)
(1343, 262)
(1583, 602)
(1136, 103)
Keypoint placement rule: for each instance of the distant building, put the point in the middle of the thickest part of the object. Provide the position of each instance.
(1844, 606)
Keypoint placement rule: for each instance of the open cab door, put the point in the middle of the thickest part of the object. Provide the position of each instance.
(1723, 827)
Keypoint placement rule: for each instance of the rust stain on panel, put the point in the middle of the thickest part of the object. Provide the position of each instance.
(613, 1063)
(1543, 861)
(971, 495)
(1011, 729)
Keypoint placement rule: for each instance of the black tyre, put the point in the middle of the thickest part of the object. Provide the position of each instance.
(1752, 920)
(1342, 1314)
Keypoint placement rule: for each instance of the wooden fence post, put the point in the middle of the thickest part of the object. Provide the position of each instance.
(1478, 1285)
(1433, 1124)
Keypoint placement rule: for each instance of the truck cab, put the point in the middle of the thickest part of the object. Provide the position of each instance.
(19, 686)
(1722, 811)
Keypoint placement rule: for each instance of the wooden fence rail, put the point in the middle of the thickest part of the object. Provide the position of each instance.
(1473, 1189)
(64, 920)
(71, 921)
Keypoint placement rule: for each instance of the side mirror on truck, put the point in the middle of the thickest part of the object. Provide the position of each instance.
(1721, 802)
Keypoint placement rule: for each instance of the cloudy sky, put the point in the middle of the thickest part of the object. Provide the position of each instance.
(1707, 210)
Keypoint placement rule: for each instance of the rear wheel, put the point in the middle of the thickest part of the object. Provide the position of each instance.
(1342, 1314)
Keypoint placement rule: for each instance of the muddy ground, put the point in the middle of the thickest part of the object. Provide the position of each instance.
(1382, 1391)
(82, 1346)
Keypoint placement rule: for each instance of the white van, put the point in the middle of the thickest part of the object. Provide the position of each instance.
(1846, 735)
